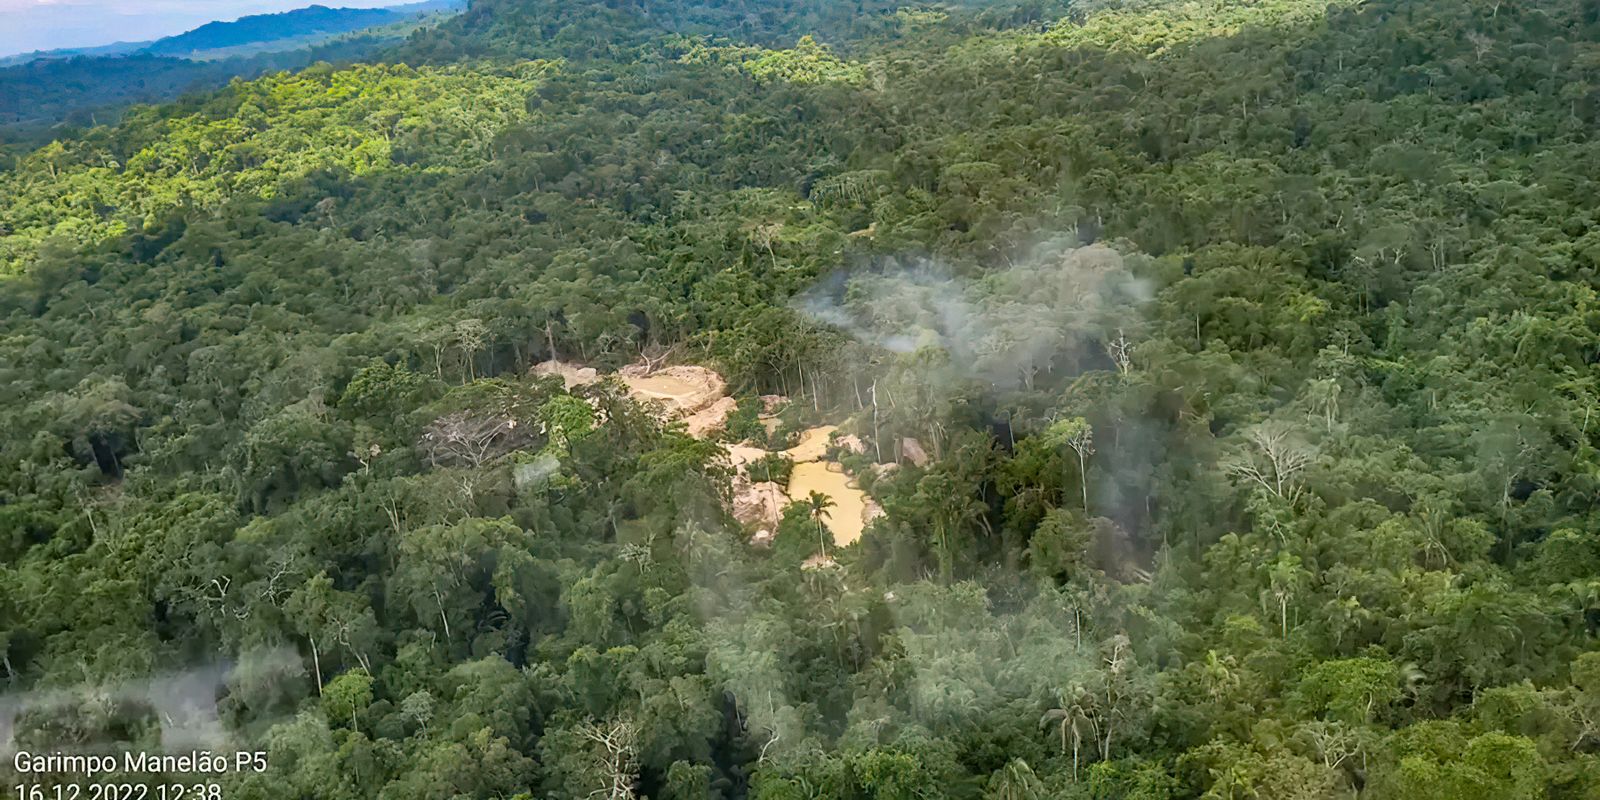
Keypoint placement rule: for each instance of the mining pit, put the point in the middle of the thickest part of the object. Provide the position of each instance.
(697, 396)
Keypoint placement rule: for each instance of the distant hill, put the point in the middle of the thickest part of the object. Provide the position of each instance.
(259, 33)
(85, 86)
(86, 90)
(263, 28)
(429, 6)
(101, 51)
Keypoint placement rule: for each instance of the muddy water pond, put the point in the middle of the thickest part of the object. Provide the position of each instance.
(847, 518)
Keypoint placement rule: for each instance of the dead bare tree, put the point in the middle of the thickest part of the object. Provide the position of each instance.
(473, 438)
(1333, 741)
(1121, 352)
(764, 236)
(344, 627)
(470, 336)
(1082, 442)
(618, 757)
(391, 509)
(1481, 44)
(281, 565)
(655, 357)
(1274, 459)
(1118, 659)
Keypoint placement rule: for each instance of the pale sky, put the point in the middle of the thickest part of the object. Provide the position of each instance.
(27, 25)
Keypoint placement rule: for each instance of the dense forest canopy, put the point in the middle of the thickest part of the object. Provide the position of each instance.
(1221, 374)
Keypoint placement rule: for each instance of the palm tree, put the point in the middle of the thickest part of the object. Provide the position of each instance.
(1072, 717)
(818, 504)
(1015, 781)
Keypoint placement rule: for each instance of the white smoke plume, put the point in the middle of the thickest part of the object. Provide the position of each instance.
(1052, 311)
(184, 702)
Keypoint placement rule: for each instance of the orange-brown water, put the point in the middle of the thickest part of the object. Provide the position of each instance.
(847, 518)
(813, 444)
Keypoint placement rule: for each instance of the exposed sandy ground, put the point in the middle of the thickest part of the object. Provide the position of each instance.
(742, 454)
(852, 509)
(663, 387)
(758, 503)
(683, 389)
(711, 419)
(912, 451)
(571, 374)
(697, 396)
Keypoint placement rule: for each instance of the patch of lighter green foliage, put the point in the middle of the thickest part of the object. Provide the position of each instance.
(253, 140)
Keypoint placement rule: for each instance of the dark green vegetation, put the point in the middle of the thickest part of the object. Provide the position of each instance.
(1308, 511)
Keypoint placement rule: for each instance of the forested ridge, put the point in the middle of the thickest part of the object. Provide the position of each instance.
(1252, 345)
(54, 94)
(262, 28)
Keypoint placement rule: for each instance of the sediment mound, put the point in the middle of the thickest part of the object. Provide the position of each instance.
(570, 374)
(742, 454)
(759, 503)
(711, 419)
(911, 450)
(683, 389)
(693, 394)
(873, 511)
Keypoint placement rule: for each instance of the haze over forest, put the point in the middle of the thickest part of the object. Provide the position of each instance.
(779, 399)
(50, 24)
